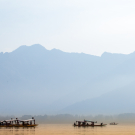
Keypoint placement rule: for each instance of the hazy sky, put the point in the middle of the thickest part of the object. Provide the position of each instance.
(89, 26)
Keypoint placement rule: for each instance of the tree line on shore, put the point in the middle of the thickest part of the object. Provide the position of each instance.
(70, 119)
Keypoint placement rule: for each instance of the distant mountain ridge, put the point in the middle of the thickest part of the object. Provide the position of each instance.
(34, 80)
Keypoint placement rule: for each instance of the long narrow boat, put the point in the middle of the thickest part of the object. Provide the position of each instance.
(86, 124)
(90, 125)
(18, 123)
(26, 123)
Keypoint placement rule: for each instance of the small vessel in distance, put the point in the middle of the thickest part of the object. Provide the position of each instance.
(85, 123)
(113, 123)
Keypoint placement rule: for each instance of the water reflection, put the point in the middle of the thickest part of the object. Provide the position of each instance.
(66, 129)
(17, 131)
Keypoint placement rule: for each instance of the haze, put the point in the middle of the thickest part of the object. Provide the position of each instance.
(34, 80)
(67, 57)
(88, 26)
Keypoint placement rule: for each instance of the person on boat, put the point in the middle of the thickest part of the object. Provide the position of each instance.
(27, 123)
(92, 123)
(83, 123)
(79, 123)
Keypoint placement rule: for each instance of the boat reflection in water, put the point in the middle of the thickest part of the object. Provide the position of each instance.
(18, 123)
(86, 123)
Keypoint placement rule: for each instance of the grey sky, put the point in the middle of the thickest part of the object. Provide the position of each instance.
(89, 26)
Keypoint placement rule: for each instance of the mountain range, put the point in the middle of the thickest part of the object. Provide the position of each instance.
(34, 80)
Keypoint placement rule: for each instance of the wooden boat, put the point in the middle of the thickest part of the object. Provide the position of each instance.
(86, 124)
(26, 123)
(18, 123)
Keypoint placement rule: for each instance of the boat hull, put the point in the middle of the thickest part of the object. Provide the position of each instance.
(34, 125)
(90, 125)
(6, 126)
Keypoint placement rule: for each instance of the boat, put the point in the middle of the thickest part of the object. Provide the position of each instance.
(113, 123)
(85, 123)
(18, 123)
(26, 123)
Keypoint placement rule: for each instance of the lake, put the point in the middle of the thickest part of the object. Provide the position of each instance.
(66, 129)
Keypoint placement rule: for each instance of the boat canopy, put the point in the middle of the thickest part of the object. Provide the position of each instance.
(90, 121)
(9, 120)
(27, 120)
(12, 120)
(79, 121)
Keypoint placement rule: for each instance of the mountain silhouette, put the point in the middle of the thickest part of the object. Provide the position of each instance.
(34, 80)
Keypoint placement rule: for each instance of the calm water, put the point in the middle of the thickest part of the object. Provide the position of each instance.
(55, 129)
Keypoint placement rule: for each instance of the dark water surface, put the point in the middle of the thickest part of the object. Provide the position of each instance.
(66, 129)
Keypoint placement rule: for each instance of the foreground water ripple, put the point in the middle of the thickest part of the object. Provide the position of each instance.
(66, 129)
